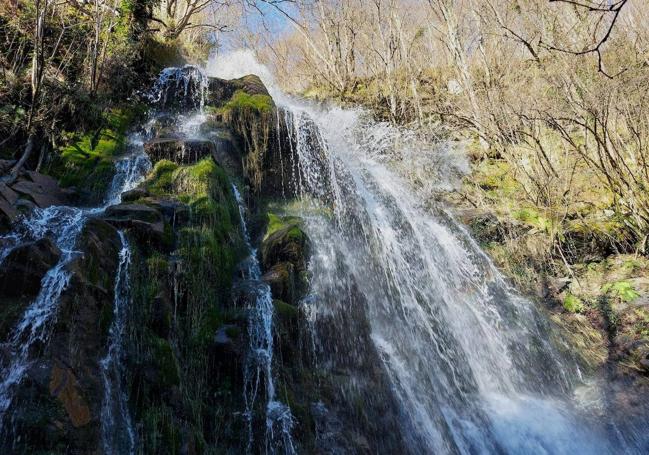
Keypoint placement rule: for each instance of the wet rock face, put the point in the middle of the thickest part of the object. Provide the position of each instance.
(284, 256)
(57, 406)
(23, 269)
(20, 279)
(179, 89)
(180, 151)
(146, 223)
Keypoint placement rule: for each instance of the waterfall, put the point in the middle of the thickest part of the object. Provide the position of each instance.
(118, 434)
(470, 363)
(64, 225)
(259, 360)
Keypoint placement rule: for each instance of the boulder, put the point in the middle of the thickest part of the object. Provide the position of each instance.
(145, 222)
(226, 150)
(288, 243)
(30, 190)
(43, 190)
(282, 282)
(221, 90)
(134, 194)
(6, 165)
(284, 255)
(23, 269)
(181, 151)
(174, 212)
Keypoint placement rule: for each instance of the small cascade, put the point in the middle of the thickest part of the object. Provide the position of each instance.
(259, 361)
(180, 89)
(34, 325)
(118, 434)
(63, 224)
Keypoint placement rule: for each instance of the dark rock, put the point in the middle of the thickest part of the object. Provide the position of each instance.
(8, 213)
(281, 279)
(23, 269)
(221, 90)
(138, 212)
(174, 212)
(57, 406)
(24, 205)
(287, 244)
(181, 151)
(134, 194)
(41, 189)
(145, 222)
(8, 194)
(6, 165)
(222, 337)
(226, 149)
(162, 315)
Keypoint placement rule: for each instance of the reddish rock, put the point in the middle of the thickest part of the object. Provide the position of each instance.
(63, 385)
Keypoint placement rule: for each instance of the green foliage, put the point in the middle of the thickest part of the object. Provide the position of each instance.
(87, 159)
(160, 180)
(573, 304)
(533, 218)
(165, 361)
(622, 289)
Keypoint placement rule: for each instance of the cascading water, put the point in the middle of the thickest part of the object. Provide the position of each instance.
(117, 432)
(182, 89)
(259, 361)
(469, 362)
(63, 224)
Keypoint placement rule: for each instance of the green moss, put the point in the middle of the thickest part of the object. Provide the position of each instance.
(284, 310)
(242, 101)
(291, 223)
(211, 321)
(573, 304)
(533, 218)
(86, 160)
(160, 180)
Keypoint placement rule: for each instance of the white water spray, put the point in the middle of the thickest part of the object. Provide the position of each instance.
(469, 361)
(64, 225)
(259, 361)
(117, 432)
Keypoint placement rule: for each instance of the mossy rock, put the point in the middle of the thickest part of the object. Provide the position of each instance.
(86, 160)
(284, 241)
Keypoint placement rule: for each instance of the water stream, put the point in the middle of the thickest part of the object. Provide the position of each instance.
(117, 432)
(473, 366)
(259, 360)
(63, 224)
